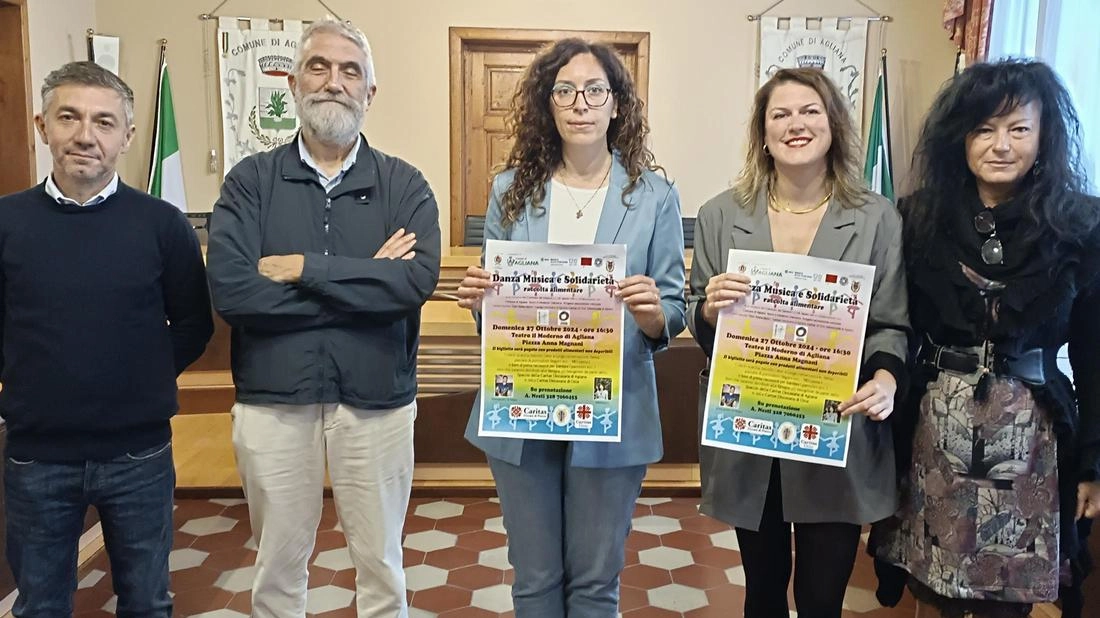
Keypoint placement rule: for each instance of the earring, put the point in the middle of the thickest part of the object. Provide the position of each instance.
(1037, 168)
(766, 152)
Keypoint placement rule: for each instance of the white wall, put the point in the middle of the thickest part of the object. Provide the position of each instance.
(58, 34)
(701, 82)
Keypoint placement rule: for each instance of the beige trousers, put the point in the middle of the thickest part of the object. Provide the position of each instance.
(281, 454)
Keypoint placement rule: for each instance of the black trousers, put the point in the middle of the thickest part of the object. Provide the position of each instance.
(824, 556)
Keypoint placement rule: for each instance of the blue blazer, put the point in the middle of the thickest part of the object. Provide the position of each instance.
(649, 224)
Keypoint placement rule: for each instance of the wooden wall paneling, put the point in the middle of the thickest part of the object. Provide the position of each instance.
(678, 370)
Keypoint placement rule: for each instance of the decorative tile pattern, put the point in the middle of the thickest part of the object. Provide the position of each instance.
(236, 580)
(229, 501)
(496, 558)
(679, 563)
(91, 579)
(726, 539)
(208, 525)
(736, 575)
(328, 598)
(677, 598)
(421, 577)
(335, 559)
(655, 524)
(494, 598)
(666, 557)
(430, 540)
(185, 558)
(438, 510)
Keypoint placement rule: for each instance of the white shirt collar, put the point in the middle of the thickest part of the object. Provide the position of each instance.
(55, 192)
(327, 182)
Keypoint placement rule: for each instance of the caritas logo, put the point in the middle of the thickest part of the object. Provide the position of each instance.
(809, 437)
(754, 426)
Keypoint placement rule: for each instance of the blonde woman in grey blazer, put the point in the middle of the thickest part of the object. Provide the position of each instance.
(801, 192)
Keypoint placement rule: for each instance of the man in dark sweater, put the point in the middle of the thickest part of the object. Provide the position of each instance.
(103, 302)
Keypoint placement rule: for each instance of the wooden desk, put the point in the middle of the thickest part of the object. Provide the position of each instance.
(448, 371)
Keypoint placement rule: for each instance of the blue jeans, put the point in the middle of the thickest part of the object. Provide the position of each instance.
(567, 531)
(46, 503)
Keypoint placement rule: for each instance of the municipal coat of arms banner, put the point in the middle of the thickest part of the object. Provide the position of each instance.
(834, 45)
(258, 111)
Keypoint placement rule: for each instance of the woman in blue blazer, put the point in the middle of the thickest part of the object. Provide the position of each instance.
(580, 172)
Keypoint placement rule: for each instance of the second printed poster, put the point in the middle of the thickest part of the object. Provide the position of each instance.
(786, 356)
(552, 342)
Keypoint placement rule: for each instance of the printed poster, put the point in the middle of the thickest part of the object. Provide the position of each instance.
(552, 342)
(786, 356)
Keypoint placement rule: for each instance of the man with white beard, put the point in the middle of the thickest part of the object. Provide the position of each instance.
(321, 254)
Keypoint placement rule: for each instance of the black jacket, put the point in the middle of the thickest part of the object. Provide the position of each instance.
(1052, 301)
(348, 331)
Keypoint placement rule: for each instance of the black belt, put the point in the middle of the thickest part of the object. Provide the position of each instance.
(1026, 366)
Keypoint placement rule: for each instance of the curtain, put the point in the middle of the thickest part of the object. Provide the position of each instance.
(1067, 40)
(968, 22)
(1061, 33)
(1015, 29)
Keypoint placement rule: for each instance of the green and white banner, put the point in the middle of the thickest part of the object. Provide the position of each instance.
(876, 167)
(166, 168)
(258, 111)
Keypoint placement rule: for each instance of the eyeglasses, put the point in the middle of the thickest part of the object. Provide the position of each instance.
(992, 251)
(595, 95)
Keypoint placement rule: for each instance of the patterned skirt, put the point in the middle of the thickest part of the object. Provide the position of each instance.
(979, 523)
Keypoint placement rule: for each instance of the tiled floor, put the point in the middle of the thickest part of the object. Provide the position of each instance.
(679, 563)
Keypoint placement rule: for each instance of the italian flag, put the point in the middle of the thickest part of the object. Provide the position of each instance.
(877, 170)
(166, 169)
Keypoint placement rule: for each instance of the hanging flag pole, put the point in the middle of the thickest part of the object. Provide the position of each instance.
(154, 158)
(90, 33)
(886, 125)
(165, 166)
(877, 168)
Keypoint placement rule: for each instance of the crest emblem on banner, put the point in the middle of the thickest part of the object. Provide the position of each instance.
(811, 61)
(275, 105)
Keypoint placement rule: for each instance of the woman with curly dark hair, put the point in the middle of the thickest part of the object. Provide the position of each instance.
(1003, 259)
(580, 172)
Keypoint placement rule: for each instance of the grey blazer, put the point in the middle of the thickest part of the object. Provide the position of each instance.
(735, 484)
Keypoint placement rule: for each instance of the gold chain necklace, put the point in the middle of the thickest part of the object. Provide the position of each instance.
(580, 209)
(773, 203)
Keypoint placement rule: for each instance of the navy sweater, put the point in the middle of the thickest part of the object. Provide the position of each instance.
(101, 307)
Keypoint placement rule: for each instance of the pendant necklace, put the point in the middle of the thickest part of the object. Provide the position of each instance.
(577, 205)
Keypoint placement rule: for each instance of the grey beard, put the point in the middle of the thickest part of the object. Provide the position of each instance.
(332, 123)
